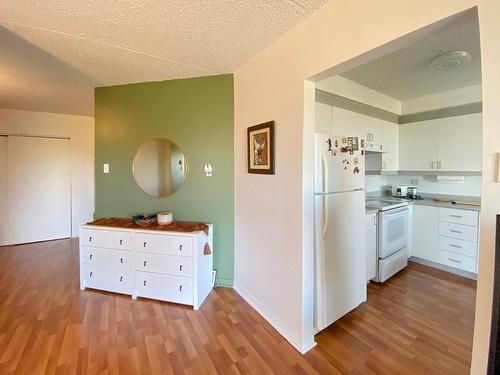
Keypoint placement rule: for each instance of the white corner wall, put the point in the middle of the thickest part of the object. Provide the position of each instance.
(271, 261)
(465, 95)
(80, 129)
(349, 89)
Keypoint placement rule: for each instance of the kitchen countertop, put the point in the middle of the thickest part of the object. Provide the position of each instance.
(429, 201)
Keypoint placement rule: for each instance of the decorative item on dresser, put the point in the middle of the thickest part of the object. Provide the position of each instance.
(170, 262)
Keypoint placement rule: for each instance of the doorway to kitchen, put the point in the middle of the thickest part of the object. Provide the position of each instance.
(401, 130)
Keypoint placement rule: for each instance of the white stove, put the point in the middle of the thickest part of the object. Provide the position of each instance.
(392, 236)
(383, 204)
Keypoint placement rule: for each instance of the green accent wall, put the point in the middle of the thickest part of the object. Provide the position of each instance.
(198, 115)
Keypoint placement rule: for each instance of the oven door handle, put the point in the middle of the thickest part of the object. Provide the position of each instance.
(396, 211)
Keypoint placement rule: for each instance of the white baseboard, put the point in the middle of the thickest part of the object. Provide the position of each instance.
(284, 330)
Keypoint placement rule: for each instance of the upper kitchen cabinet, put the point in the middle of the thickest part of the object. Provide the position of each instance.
(323, 121)
(418, 146)
(390, 142)
(460, 143)
(451, 144)
(348, 123)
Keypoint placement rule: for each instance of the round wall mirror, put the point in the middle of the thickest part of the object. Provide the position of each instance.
(159, 167)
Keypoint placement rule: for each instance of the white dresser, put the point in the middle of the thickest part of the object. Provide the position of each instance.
(157, 264)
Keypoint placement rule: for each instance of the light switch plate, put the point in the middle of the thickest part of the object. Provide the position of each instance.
(105, 168)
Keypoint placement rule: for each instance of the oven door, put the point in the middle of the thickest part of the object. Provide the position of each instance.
(393, 231)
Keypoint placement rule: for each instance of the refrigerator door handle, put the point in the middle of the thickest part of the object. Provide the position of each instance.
(325, 215)
(324, 173)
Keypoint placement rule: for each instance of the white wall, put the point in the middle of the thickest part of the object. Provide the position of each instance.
(375, 183)
(81, 131)
(272, 254)
(349, 89)
(428, 184)
(471, 94)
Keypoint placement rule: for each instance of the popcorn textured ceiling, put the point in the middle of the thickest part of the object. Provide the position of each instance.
(118, 42)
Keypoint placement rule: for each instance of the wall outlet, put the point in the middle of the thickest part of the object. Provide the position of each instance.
(105, 168)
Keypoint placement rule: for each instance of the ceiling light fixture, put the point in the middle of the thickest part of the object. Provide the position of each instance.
(451, 60)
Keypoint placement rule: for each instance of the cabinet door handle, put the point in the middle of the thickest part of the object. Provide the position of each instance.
(144, 282)
(455, 231)
(180, 247)
(90, 257)
(384, 165)
(457, 216)
(121, 279)
(180, 288)
(121, 242)
(144, 263)
(121, 260)
(454, 260)
(456, 246)
(144, 244)
(180, 267)
(439, 164)
(432, 165)
(90, 239)
(91, 274)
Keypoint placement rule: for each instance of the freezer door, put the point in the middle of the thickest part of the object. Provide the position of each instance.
(340, 257)
(339, 164)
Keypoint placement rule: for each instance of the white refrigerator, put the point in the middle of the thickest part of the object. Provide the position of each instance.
(339, 211)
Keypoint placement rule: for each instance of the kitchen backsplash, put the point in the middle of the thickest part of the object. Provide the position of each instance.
(426, 183)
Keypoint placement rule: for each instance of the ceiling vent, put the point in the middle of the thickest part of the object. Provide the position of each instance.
(451, 60)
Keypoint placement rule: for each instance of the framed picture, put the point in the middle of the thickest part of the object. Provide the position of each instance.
(260, 143)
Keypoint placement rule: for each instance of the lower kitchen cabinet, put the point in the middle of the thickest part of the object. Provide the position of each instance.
(371, 245)
(425, 234)
(445, 236)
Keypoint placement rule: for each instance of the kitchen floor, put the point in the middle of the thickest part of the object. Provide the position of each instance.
(419, 321)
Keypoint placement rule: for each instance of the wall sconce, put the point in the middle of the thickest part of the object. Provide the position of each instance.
(207, 169)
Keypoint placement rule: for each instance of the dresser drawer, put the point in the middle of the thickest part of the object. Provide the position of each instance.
(107, 257)
(461, 232)
(457, 261)
(169, 264)
(465, 217)
(120, 240)
(454, 245)
(112, 279)
(164, 244)
(169, 288)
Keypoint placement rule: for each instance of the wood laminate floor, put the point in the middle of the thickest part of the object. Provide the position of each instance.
(419, 322)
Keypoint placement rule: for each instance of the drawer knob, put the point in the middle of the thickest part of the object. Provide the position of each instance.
(90, 239)
(91, 274)
(180, 267)
(180, 247)
(121, 242)
(121, 260)
(144, 282)
(454, 260)
(90, 257)
(144, 244)
(121, 278)
(145, 263)
(180, 288)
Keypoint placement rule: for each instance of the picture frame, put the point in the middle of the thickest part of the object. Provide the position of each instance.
(260, 148)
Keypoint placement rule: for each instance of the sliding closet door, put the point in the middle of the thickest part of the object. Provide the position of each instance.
(3, 192)
(39, 189)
